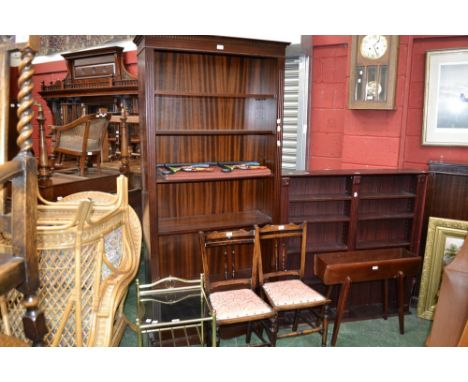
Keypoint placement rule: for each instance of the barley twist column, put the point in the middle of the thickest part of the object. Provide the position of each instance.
(25, 113)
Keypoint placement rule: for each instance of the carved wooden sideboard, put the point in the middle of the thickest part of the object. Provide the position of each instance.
(96, 78)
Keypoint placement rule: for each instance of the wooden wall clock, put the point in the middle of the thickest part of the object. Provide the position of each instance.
(373, 72)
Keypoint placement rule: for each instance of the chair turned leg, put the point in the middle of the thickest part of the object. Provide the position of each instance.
(325, 325)
(218, 338)
(82, 164)
(274, 330)
(248, 336)
(327, 295)
(296, 321)
(385, 299)
(34, 321)
(58, 162)
(401, 307)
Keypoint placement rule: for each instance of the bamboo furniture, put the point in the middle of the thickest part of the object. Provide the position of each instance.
(230, 266)
(206, 99)
(366, 265)
(88, 246)
(282, 259)
(174, 312)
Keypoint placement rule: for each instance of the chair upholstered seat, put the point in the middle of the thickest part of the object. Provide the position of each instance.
(291, 293)
(239, 303)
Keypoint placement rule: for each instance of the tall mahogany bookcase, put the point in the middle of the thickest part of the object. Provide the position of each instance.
(207, 99)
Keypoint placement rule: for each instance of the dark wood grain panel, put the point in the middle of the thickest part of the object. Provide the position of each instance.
(214, 113)
(323, 209)
(447, 193)
(216, 148)
(373, 184)
(302, 187)
(383, 231)
(180, 254)
(392, 206)
(212, 44)
(214, 73)
(214, 198)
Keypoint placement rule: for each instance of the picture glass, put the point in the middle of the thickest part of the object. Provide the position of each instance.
(446, 99)
(452, 106)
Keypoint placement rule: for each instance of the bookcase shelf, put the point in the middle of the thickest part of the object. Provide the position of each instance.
(187, 131)
(385, 216)
(215, 175)
(193, 224)
(396, 195)
(319, 218)
(318, 198)
(212, 95)
(382, 244)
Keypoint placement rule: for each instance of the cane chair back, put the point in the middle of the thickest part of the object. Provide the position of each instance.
(230, 270)
(282, 260)
(88, 246)
(81, 137)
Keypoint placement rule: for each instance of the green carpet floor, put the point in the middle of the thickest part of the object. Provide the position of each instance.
(365, 333)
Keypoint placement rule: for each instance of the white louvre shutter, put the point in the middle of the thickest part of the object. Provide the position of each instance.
(295, 113)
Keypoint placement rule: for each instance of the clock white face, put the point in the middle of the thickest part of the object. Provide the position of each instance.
(374, 46)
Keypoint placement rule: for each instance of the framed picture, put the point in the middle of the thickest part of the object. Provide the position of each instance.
(444, 239)
(446, 98)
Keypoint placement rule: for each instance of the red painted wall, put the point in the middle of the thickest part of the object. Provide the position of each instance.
(339, 137)
(53, 71)
(343, 138)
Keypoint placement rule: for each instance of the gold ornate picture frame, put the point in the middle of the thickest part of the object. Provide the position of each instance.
(444, 239)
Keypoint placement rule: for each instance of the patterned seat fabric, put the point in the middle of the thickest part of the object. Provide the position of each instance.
(289, 293)
(237, 303)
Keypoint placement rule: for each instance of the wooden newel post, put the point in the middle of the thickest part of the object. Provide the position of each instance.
(33, 319)
(124, 157)
(44, 169)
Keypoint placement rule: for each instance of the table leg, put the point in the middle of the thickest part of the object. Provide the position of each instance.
(401, 294)
(327, 296)
(385, 299)
(340, 308)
